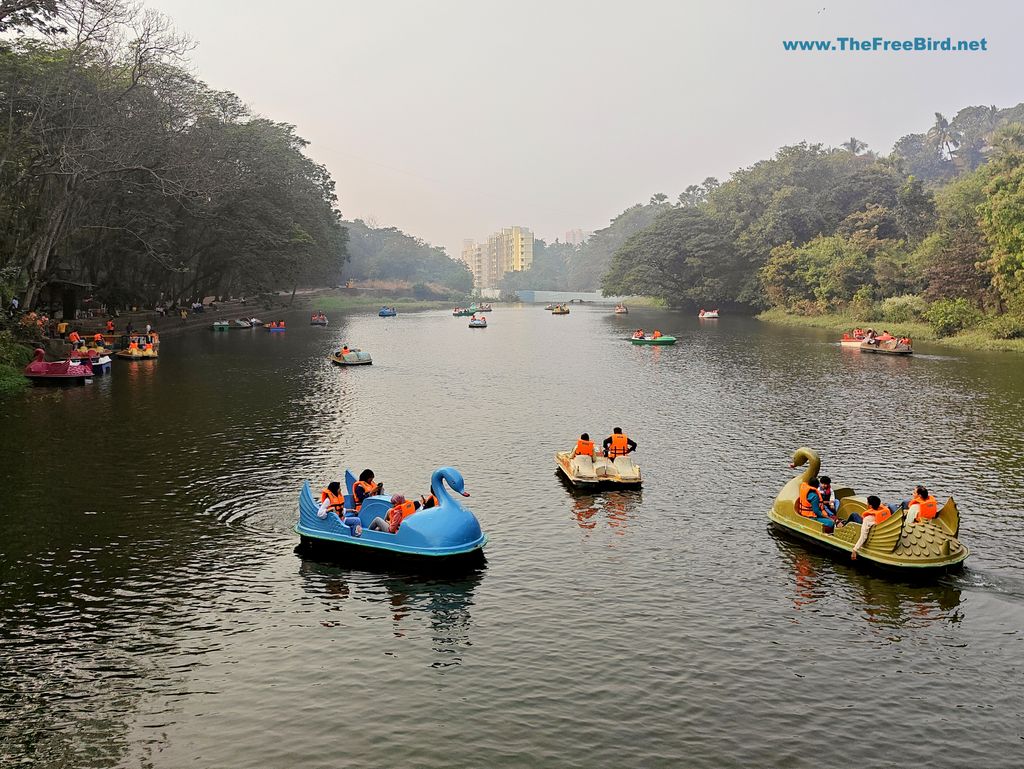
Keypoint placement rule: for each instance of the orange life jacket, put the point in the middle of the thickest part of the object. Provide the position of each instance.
(337, 501)
(133, 346)
(74, 336)
(399, 513)
(585, 447)
(929, 507)
(803, 502)
(110, 325)
(430, 501)
(149, 346)
(619, 446)
(368, 489)
(97, 337)
(656, 335)
(881, 514)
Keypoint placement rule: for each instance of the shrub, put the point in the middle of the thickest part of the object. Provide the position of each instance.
(1007, 327)
(903, 309)
(948, 316)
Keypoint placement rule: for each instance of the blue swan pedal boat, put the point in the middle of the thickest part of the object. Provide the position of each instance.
(444, 535)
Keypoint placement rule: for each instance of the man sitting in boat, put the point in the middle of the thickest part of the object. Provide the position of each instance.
(921, 507)
(365, 487)
(638, 334)
(617, 444)
(344, 350)
(876, 513)
(401, 508)
(428, 501)
(656, 334)
(830, 504)
(584, 447)
(809, 505)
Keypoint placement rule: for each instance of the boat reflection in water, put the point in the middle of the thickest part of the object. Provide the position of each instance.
(884, 604)
(441, 604)
(615, 507)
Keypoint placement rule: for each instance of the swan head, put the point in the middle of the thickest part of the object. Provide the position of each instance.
(454, 478)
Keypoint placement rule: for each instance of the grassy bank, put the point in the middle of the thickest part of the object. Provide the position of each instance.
(13, 358)
(973, 339)
(344, 303)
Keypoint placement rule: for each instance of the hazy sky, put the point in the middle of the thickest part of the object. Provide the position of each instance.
(452, 118)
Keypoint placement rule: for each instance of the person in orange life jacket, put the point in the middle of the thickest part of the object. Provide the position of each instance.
(920, 507)
(876, 513)
(401, 508)
(656, 334)
(617, 444)
(429, 501)
(809, 505)
(74, 337)
(110, 326)
(332, 500)
(365, 487)
(584, 447)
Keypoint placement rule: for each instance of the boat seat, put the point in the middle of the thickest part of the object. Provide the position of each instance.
(626, 468)
(583, 466)
(603, 467)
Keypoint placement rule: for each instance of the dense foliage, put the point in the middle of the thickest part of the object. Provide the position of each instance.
(817, 229)
(120, 170)
(387, 253)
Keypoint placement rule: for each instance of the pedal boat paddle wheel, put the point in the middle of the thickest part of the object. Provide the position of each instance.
(587, 471)
(443, 536)
(923, 547)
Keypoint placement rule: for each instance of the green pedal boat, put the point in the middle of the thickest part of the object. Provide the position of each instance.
(653, 340)
(923, 547)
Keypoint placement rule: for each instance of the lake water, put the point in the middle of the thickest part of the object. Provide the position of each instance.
(153, 612)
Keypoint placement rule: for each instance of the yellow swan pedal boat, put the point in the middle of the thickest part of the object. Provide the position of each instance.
(908, 548)
(595, 471)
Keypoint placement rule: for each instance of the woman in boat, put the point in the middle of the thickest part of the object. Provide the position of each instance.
(401, 508)
(876, 513)
(584, 447)
(638, 334)
(365, 487)
(332, 501)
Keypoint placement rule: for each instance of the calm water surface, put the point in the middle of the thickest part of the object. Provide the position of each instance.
(153, 613)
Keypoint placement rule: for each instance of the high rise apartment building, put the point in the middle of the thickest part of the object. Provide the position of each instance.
(507, 250)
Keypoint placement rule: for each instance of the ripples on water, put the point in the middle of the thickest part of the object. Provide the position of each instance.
(153, 614)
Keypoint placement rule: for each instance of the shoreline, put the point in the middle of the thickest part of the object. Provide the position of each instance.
(972, 339)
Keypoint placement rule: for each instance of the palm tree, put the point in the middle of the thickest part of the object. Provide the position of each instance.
(854, 145)
(660, 197)
(943, 135)
(1009, 139)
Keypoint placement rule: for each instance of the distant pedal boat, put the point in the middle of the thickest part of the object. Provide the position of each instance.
(597, 471)
(661, 340)
(352, 358)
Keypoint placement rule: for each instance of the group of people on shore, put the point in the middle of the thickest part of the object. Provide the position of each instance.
(816, 501)
(332, 499)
